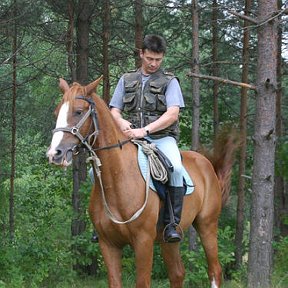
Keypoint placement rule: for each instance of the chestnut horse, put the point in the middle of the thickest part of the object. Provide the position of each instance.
(122, 209)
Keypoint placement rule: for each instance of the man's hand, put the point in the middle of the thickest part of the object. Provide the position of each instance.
(124, 124)
(121, 122)
(135, 133)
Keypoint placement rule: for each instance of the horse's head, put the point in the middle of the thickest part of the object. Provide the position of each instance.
(76, 122)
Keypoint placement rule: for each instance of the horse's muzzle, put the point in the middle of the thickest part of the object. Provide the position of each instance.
(60, 156)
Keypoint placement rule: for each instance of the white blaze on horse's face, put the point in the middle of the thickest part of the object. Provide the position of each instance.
(60, 123)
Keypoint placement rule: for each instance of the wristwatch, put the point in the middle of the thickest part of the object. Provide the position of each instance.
(147, 131)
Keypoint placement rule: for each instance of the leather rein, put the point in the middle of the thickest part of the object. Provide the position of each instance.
(94, 159)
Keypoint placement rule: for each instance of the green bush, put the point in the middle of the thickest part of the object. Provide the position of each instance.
(280, 274)
(196, 275)
(41, 249)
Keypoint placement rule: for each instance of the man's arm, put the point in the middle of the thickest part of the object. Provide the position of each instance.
(167, 119)
(122, 123)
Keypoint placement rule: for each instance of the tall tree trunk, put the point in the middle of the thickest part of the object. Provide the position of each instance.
(70, 40)
(215, 68)
(105, 38)
(192, 234)
(280, 197)
(79, 163)
(13, 128)
(82, 35)
(195, 81)
(138, 6)
(243, 133)
(262, 212)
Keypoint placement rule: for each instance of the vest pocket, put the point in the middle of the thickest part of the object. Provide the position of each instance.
(149, 102)
(159, 97)
(131, 86)
(129, 101)
(161, 103)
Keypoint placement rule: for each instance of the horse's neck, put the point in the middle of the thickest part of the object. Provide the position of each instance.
(122, 157)
(119, 164)
(119, 157)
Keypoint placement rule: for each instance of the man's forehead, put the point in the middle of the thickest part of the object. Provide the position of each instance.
(154, 55)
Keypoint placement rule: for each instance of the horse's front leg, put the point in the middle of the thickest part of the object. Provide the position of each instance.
(172, 258)
(112, 257)
(144, 258)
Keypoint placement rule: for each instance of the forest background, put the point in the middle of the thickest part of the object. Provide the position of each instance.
(44, 227)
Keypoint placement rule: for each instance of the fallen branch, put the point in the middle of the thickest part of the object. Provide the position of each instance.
(221, 80)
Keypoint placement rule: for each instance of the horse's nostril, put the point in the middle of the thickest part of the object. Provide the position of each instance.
(58, 153)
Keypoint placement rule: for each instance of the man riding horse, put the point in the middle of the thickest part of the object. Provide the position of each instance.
(151, 100)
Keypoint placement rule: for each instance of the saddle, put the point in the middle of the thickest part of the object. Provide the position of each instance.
(159, 184)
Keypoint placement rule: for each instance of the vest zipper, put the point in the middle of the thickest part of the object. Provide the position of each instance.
(141, 104)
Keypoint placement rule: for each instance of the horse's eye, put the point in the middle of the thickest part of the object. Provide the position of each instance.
(78, 112)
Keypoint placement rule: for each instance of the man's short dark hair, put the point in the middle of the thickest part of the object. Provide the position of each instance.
(154, 43)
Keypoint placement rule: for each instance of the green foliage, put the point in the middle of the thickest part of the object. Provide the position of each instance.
(280, 275)
(41, 249)
(185, 126)
(86, 251)
(196, 275)
(282, 158)
(43, 253)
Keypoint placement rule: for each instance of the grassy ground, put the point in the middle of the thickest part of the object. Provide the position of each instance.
(130, 283)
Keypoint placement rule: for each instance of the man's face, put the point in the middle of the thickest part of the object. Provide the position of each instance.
(151, 61)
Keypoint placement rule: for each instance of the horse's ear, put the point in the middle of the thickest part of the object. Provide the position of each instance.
(63, 85)
(92, 86)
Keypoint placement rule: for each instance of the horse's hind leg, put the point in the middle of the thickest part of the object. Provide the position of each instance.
(208, 233)
(172, 258)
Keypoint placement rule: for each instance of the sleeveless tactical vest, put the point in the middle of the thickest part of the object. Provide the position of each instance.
(146, 104)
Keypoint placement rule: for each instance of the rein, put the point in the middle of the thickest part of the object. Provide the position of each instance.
(94, 159)
(120, 144)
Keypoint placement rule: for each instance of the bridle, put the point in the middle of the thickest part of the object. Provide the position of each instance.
(89, 140)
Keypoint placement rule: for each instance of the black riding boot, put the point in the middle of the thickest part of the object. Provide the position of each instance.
(172, 214)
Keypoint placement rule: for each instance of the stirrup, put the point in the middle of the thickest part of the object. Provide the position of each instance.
(170, 234)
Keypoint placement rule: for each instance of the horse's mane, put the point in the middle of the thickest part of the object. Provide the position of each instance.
(103, 109)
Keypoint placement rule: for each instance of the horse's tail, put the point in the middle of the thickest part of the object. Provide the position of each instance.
(222, 158)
